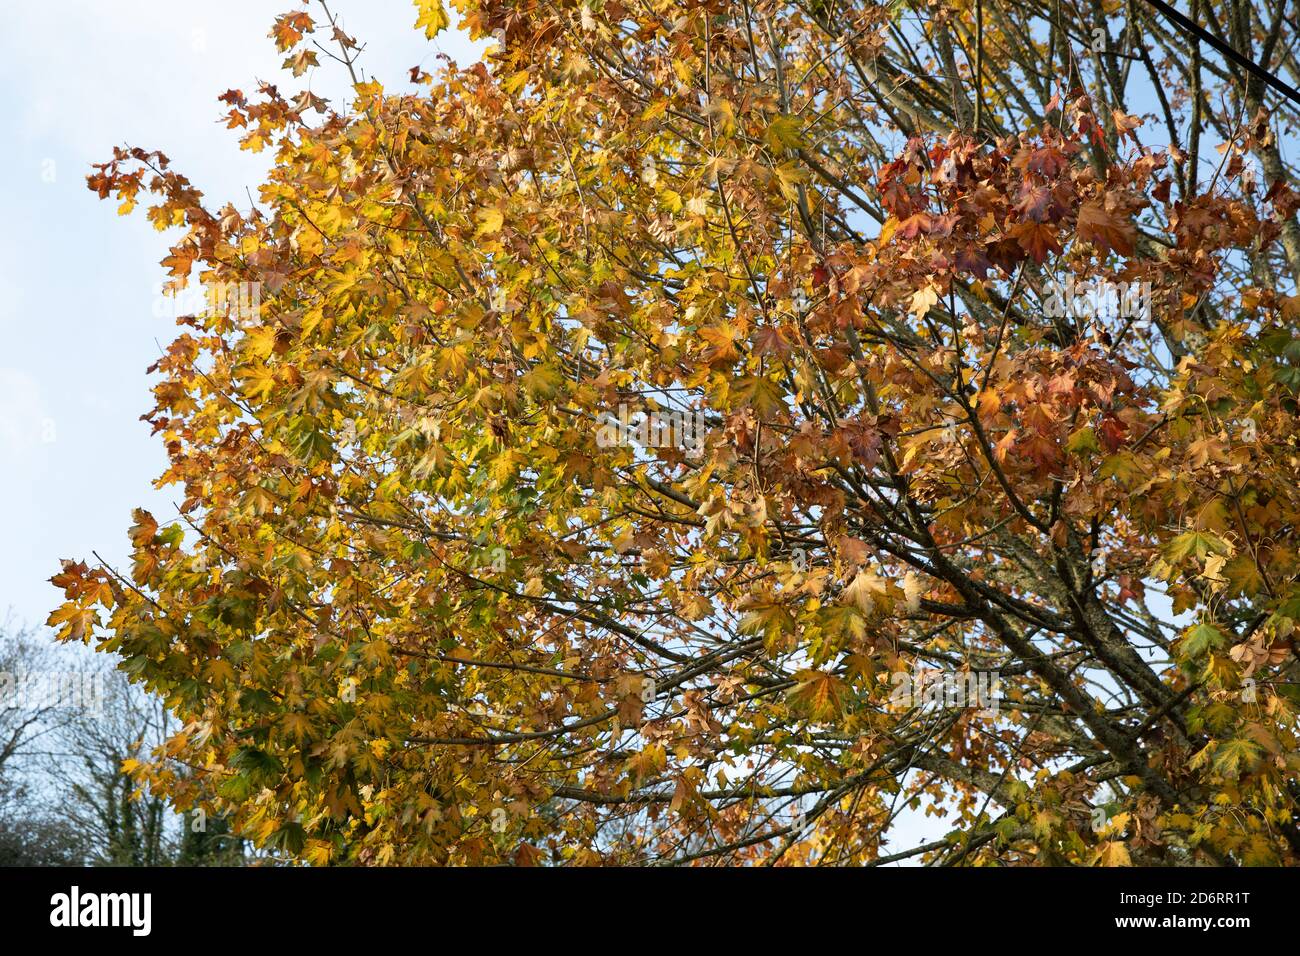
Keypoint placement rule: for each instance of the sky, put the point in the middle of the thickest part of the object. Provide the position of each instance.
(80, 314)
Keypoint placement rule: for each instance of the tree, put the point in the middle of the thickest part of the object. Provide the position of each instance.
(33, 839)
(96, 797)
(39, 694)
(82, 791)
(71, 734)
(210, 843)
(702, 430)
(33, 701)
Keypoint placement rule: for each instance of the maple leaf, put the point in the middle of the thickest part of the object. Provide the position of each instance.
(922, 300)
(769, 340)
(1106, 230)
(764, 395)
(542, 381)
(1200, 639)
(723, 338)
(1232, 757)
(917, 224)
(289, 29)
(784, 133)
(1113, 853)
(868, 592)
(1036, 238)
(823, 695)
(1243, 575)
(769, 620)
(1112, 432)
(73, 623)
(490, 222)
(1125, 124)
(1195, 544)
(1034, 202)
(1082, 441)
(145, 527)
(432, 17)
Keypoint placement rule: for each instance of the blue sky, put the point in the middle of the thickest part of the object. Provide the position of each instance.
(79, 314)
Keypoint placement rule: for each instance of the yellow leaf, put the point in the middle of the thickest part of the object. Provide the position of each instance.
(867, 591)
(783, 133)
(433, 17)
(820, 693)
(922, 300)
(490, 221)
(1113, 853)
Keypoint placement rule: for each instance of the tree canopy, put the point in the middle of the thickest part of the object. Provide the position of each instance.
(986, 312)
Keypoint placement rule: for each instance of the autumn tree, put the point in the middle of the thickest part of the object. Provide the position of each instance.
(73, 801)
(986, 309)
(28, 712)
(35, 709)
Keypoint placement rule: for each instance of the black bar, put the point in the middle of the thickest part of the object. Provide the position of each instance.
(571, 906)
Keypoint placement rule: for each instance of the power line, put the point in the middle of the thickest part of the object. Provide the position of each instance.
(1250, 65)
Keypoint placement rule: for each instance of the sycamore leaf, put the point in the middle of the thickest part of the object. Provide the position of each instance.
(432, 17)
(1233, 757)
(868, 592)
(1243, 575)
(1195, 544)
(922, 300)
(783, 133)
(763, 394)
(490, 221)
(1106, 230)
(1113, 853)
(842, 623)
(821, 694)
(1200, 639)
(543, 381)
(1084, 441)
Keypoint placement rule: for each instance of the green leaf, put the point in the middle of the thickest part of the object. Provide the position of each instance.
(783, 133)
(1201, 639)
(1234, 756)
(1083, 441)
(291, 837)
(1197, 544)
(842, 622)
